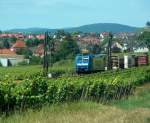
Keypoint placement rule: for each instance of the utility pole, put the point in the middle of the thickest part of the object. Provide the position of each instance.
(45, 61)
(109, 60)
(48, 47)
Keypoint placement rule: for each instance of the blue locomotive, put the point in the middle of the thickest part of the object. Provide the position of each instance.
(90, 63)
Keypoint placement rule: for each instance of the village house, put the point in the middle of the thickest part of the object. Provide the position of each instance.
(104, 34)
(10, 58)
(11, 35)
(40, 37)
(18, 45)
(30, 36)
(90, 40)
(116, 47)
(39, 51)
(141, 50)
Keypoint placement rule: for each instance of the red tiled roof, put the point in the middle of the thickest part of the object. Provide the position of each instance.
(90, 40)
(7, 52)
(19, 44)
(40, 37)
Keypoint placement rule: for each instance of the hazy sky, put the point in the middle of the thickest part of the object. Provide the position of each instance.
(70, 13)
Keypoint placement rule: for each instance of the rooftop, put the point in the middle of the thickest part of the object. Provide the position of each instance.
(19, 44)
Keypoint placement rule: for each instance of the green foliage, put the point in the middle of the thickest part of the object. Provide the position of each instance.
(145, 38)
(66, 49)
(60, 33)
(13, 39)
(6, 44)
(36, 90)
(35, 60)
(20, 51)
(148, 23)
(33, 42)
(64, 63)
(24, 51)
(28, 54)
(23, 63)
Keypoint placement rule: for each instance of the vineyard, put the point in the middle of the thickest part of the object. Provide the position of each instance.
(27, 88)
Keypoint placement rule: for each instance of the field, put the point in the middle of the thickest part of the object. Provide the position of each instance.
(111, 96)
(22, 72)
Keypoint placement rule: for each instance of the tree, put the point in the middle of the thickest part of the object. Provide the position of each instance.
(144, 38)
(0, 32)
(28, 54)
(29, 42)
(33, 42)
(13, 40)
(66, 49)
(6, 44)
(148, 23)
(60, 33)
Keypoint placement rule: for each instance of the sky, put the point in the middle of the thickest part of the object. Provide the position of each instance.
(72, 13)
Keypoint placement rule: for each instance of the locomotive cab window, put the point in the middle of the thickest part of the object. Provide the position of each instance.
(85, 59)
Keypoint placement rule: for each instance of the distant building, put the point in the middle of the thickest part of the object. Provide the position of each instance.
(141, 50)
(10, 58)
(39, 51)
(7, 52)
(90, 40)
(18, 45)
(116, 47)
(11, 35)
(30, 36)
(40, 37)
(104, 35)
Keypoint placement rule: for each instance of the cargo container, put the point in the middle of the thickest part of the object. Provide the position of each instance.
(129, 61)
(99, 62)
(141, 60)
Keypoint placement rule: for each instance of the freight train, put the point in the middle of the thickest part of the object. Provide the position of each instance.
(86, 63)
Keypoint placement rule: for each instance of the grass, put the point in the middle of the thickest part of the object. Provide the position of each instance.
(136, 109)
(15, 70)
(141, 99)
(63, 66)
(81, 112)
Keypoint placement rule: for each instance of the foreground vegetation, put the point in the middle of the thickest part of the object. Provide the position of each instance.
(135, 109)
(36, 90)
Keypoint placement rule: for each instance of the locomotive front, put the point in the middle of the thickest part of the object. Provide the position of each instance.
(83, 63)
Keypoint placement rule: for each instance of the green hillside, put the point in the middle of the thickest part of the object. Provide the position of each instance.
(98, 27)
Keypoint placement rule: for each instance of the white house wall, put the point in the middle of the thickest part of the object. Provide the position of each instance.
(13, 61)
(4, 62)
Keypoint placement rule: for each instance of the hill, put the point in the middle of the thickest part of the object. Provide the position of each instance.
(99, 27)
